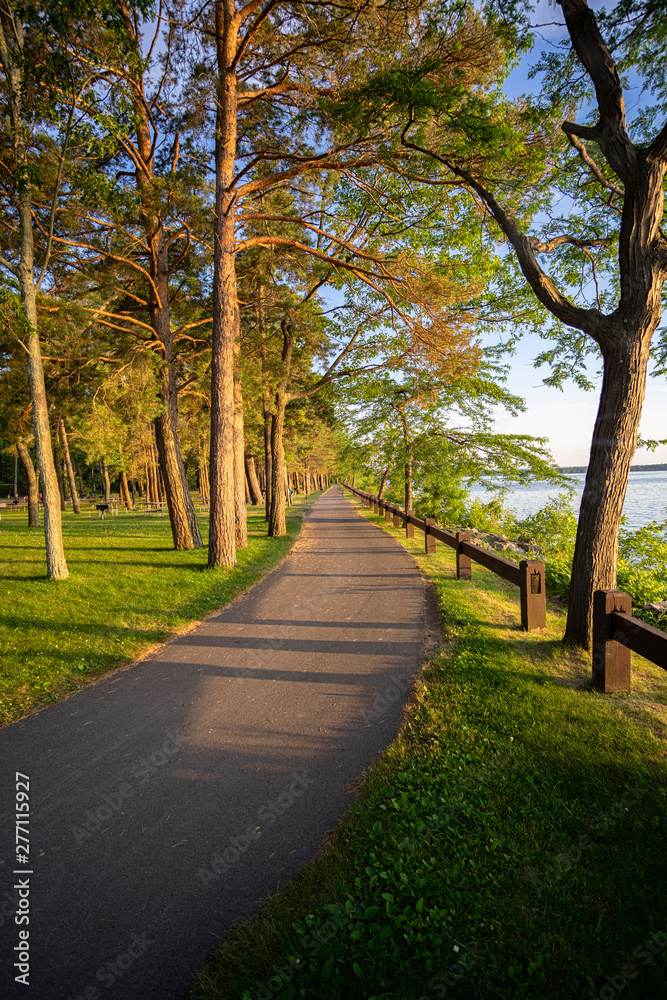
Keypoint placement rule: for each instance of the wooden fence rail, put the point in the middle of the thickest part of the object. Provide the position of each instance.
(615, 634)
(528, 575)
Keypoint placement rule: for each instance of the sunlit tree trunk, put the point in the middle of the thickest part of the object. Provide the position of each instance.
(222, 522)
(33, 502)
(253, 483)
(107, 481)
(70, 471)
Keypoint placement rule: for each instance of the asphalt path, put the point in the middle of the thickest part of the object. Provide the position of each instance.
(171, 797)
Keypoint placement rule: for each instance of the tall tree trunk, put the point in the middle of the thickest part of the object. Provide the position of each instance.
(241, 511)
(268, 462)
(277, 524)
(59, 473)
(125, 491)
(253, 483)
(383, 481)
(182, 515)
(12, 58)
(16, 475)
(82, 489)
(107, 481)
(70, 471)
(222, 522)
(613, 446)
(33, 502)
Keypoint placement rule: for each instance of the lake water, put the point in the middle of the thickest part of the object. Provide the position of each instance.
(645, 500)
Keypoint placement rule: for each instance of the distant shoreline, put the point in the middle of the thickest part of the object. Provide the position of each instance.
(633, 468)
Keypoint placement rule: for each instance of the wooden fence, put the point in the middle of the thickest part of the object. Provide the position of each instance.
(528, 575)
(615, 632)
(615, 635)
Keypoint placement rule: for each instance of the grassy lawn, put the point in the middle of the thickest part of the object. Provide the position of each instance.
(128, 591)
(510, 844)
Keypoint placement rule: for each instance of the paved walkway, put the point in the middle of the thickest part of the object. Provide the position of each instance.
(170, 798)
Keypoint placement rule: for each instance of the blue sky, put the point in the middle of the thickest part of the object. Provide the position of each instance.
(567, 417)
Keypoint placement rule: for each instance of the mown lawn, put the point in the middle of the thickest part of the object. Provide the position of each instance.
(128, 591)
(510, 844)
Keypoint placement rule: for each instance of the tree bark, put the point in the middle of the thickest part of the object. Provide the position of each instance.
(277, 524)
(59, 474)
(107, 481)
(383, 481)
(125, 491)
(253, 483)
(612, 449)
(222, 522)
(70, 471)
(82, 488)
(240, 488)
(33, 501)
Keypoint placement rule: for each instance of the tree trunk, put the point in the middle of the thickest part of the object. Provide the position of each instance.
(16, 475)
(70, 471)
(82, 488)
(33, 502)
(12, 54)
(182, 515)
(268, 464)
(383, 481)
(240, 495)
(59, 474)
(253, 483)
(125, 491)
(612, 449)
(222, 530)
(277, 524)
(107, 481)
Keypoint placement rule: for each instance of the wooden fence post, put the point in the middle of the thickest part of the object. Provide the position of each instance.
(409, 528)
(387, 515)
(397, 519)
(463, 563)
(611, 659)
(533, 594)
(376, 508)
(429, 540)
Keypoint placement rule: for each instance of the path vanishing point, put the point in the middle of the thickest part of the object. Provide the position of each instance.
(171, 797)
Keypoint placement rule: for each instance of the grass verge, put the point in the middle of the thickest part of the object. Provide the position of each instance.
(128, 591)
(510, 843)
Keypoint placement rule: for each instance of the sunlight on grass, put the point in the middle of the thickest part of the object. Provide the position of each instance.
(128, 591)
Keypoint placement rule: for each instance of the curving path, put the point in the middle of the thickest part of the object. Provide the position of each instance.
(170, 798)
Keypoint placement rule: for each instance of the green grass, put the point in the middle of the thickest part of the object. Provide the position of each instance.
(510, 843)
(128, 591)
